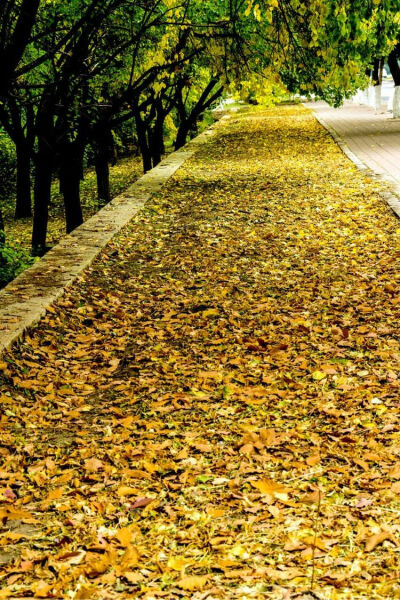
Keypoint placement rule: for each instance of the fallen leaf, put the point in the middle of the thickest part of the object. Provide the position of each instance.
(141, 502)
(194, 582)
(375, 540)
(272, 488)
(92, 465)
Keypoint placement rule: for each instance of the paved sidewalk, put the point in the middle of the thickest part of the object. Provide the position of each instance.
(373, 138)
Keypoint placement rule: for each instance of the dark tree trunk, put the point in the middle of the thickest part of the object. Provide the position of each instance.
(70, 175)
(42, 195)
(394, 66)
(141, 132)
(23, 208)
(157, 143)
(103, 176)
(182, 134)
(377, 71)
(104, 151)
(157, 133)
(189, 122)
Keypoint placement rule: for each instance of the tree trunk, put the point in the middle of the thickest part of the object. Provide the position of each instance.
(23, 208)
(182, 134)
(103, 176)
(157, 141)
(395, 71)
(42, 195)
(143, 143)
(188, 122)
(70, 175)
(376, 95)
(104, 149)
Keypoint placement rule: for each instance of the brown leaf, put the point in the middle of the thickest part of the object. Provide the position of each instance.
(313, 460)
(96, 564)
(313, 497)
(375, 540)
(141, 502)
(92, 465)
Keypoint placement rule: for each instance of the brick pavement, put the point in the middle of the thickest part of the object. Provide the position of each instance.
(373, 138)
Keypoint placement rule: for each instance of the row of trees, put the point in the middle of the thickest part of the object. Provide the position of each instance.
(74, 71)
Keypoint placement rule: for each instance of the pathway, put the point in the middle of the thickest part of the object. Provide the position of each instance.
(373, 138)
(211, 411)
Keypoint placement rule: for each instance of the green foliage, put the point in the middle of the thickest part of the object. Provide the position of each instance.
(267, 90)
(13, 260)
(322, 47)
(8, 165)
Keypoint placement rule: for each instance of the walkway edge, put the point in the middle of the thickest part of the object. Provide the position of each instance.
(392, 198)
(25, 300)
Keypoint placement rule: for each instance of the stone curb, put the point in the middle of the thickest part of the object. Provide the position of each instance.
(24, 301)
(391, 197)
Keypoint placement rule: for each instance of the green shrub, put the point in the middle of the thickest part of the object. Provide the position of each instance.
(13, 260)
(8, 166)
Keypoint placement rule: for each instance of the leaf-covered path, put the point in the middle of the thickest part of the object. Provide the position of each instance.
(212, 411)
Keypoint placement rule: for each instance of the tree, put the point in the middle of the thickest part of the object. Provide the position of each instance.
(323, 47)
(17, 20)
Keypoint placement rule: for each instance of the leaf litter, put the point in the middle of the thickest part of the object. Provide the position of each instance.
(212, 410)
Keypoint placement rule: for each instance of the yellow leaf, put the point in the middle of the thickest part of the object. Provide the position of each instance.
(55, 494)
(194, 582)
(178, 562)
(126, 534)
(130, 559)
(96, 564)
(239, 551)
(318, 375)
(41, 589)
(272, 488)
(125, 490)
(211, 312)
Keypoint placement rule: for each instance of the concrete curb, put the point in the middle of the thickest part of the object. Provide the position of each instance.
(24, 301)
(391, 197)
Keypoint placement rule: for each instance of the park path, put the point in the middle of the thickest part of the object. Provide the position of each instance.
(373, 137)
(211, 411)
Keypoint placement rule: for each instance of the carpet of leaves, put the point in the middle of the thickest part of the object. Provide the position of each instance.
(212, 411)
